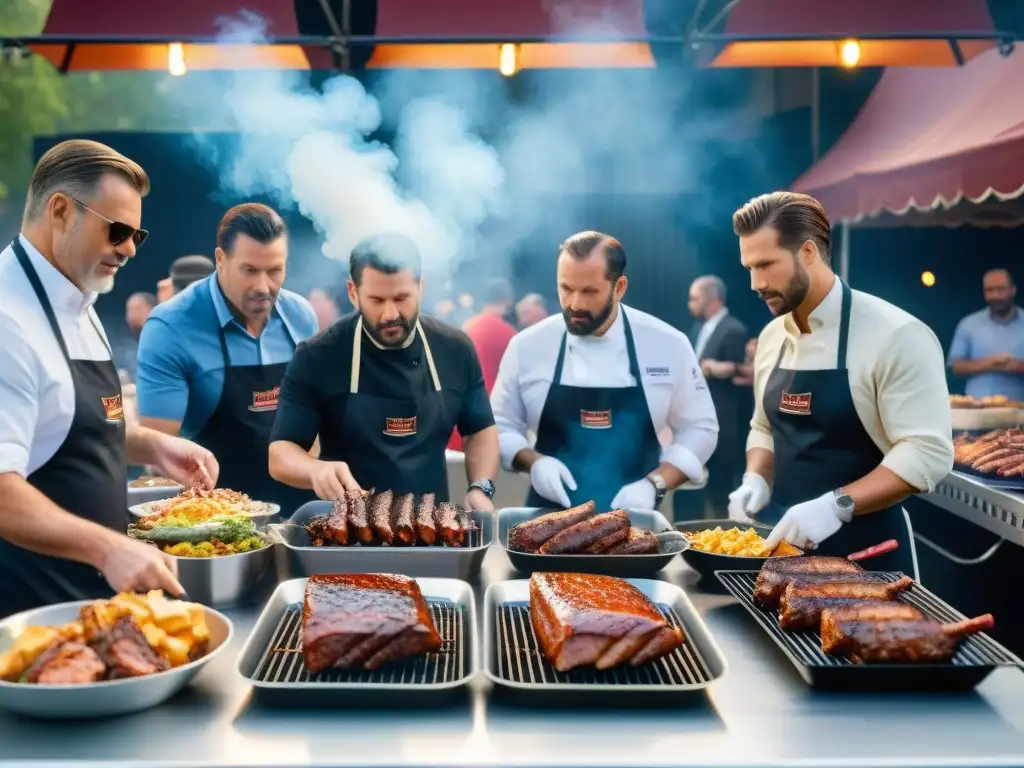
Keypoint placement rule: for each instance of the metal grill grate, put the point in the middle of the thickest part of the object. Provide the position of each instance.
(282, 660)
(805, 646)
(521, 661)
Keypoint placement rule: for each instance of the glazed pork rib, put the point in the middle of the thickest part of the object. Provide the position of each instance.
(802, 603)
(380, 516)
(364, 621)
(530, 535)
(778, 573)
(358, 516)
(403, 513)
(584, 534)
(335, 529)
(896, 641)
(426, 530)
(639, 542)
(590, 620)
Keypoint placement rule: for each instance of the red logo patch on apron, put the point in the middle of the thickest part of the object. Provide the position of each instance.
(400, 427)
(596, 419)
(265, 401)
(798, 405)
(113, 408)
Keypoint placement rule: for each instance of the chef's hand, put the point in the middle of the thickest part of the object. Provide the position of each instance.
(547, 475)
(133, 566)
(638, 495)
(749, 499)
(477, 499)
(330, 480)
(191, 465)
(999, 362)
(807, 525)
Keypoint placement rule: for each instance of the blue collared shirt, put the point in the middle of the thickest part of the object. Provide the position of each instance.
(979, 335)
(180, 363)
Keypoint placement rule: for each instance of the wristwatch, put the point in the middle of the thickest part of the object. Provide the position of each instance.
(844, 504)
(660, 487)
(486, 486)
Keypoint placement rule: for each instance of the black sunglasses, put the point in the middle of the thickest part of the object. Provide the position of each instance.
(119, 232)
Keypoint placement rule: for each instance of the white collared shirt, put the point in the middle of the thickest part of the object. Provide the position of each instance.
(37, 395)
(677, 394)
(897, 379)
(707, 329)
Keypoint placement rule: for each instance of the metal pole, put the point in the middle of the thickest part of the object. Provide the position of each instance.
(844, 250)
(815, 114)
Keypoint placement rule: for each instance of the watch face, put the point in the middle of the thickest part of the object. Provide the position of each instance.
(486, 486)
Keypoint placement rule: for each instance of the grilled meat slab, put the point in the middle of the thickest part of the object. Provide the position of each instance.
(897, 641)
(530, 535)
(446, 518)
(336, 526)
(639, 542)
(802, 603)
(426, 529)
(603, 545)
(868, 611)
(126, 652)
(364, 621)
(358, 516)
(403, 519)
(590, 620)
(380, 516)
(70, 663)
(578, 537)
(777, 573)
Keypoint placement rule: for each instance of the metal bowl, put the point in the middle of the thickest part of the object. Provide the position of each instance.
(104, 699)
(146, 509)
(226, 579)
(147, 494)
(706, 563)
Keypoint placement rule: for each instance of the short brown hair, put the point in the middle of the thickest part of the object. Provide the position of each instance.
(260, 222)
(582, 244)
(76, 167)
(795, 216)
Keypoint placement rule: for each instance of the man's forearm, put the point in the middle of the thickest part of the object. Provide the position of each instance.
(167, 426)
(290, 464)
(881, 488)
(142, 445)
(672, 475)
(761, 461)
(525, 459)
(964, 368)
(30, 520)
(483, 455)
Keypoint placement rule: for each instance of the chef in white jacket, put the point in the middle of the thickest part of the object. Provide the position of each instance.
(597, 385)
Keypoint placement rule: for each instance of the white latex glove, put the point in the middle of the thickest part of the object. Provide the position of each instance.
(547, 475)
(638, 495)
(808, 524)
(749, 499)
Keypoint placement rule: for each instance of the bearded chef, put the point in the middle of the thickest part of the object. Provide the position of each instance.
(597, 385)
(384, 387)
(851, 404)
(64, 444)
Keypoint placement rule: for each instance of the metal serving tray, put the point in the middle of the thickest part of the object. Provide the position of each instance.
(438, 561)
(103, 699)
(271, 660)
(513, 660)
(624, 566)
(224, 581)
(978, 656)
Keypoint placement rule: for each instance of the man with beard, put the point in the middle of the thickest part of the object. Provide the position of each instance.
(597, 385)
(212, 358)
(988, 346)
(384, 387)
(851, 406)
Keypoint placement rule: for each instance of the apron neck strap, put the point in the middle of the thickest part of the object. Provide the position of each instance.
(844, 325)
(357, 354)
(44, 300)
(634, 364)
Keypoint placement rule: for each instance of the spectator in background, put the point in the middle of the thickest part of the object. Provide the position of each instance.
(325, 307)
(988, 346)
(136, 310)
(164, 290)
(530, 310)
(189, 269)
(464, 308)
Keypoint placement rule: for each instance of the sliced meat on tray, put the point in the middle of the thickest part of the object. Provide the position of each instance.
(802, 603)
(896, 641)
(70, 663)
(364, 621)
(590, 620)
(380, 516)
(639, 542)
(335, 529)
(125, 651)
(578, 537)
(403, 521)
(446, 518)
(426, 528)
(777, 573)
(603, 545)
(530, 535)
(359, 516)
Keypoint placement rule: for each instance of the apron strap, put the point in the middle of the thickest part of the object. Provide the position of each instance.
(634, 363)
(44, 300)
(357, 354)
(430, 357)
(844, 325)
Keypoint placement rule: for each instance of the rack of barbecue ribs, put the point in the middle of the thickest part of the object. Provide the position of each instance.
(578, 531)
(363, 621)
(367, 517)
(999, 453)
(868, 636)
(588, 620)
(802, 602)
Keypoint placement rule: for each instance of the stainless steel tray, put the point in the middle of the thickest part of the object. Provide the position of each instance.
(303, 559)
(105, 699)
(623, 566)
(512, 658)
(271, 660)
(224, 581)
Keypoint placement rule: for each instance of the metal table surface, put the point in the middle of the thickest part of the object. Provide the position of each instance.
(760, 714)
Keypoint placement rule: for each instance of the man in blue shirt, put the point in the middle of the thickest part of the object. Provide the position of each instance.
(211, 359)
(988, 346)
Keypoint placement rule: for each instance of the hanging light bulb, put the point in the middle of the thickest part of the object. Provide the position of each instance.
(849, 53)
(928, 279)
(176, 59)
(508, 59)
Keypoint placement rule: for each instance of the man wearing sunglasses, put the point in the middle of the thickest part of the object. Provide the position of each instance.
(64, 444)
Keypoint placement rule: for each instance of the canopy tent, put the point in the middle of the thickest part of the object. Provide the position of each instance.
(931, 147)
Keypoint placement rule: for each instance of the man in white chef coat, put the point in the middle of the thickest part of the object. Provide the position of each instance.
(597, 385)
(851, 408)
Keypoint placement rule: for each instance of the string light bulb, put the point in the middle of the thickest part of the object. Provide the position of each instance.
(176, 59)
(849, 53)
(928, 279)
(508, 59)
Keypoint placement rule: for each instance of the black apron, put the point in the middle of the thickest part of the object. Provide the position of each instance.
(603, 435)
(238, 430)
(821, 445)
(392, 444)
(86, 476)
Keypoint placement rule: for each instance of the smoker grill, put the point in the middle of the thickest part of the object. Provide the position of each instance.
(513, 658)
(272, 658)
(977, 657)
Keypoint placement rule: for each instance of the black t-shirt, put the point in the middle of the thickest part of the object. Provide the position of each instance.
(319, 376)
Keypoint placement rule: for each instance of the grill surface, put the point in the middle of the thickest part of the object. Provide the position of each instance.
(521, 661)
(282, 660)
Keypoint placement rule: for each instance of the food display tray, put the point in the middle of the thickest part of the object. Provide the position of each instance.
(271, 660)
(992, 480)
(977, 657)
(145, 509)
(513, 660)
(623, 566)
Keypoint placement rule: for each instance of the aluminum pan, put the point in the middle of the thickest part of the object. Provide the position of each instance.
(294, 590)
(225, 580)
(658, 592)
(104, 699)
(623, 566)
